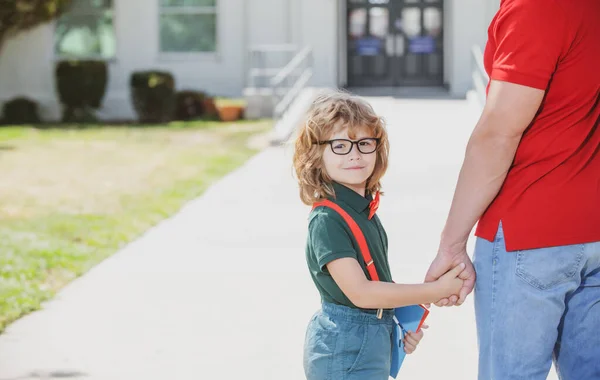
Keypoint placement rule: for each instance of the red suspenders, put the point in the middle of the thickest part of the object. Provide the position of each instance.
(360, 239)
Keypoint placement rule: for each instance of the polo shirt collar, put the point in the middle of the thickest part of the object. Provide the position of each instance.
(351, 197)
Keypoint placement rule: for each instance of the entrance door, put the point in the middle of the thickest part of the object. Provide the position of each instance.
(395, 42)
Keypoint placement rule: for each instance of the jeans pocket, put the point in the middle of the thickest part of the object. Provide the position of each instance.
(545, 268)
(355, 345)
(321, 339)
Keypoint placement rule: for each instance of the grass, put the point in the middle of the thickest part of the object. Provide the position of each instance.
(71, 197)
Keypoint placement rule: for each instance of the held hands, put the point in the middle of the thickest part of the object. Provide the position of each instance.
(450, 283)
(446, 262)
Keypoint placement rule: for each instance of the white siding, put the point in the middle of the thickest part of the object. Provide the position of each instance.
(26, 69)
(466, 27)
(303, 23)
(320, 30)
(27, 62)
(269, 21)
(491, 7)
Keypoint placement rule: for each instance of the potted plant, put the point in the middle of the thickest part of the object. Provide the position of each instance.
(230, 109)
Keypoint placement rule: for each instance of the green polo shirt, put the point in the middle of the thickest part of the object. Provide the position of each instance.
(330, 238)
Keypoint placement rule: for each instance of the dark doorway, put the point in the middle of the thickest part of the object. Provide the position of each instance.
(395, 42)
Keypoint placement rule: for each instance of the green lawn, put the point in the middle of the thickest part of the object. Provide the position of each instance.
(69, 198)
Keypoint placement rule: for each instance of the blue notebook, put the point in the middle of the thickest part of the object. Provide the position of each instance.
(407, 318)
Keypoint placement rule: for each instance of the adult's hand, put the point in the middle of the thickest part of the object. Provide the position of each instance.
(445, 261)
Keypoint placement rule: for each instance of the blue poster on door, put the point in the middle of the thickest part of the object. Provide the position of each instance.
(369, 46)
(421, 45)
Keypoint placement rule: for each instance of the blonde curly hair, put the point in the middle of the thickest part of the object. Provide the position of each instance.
(328, 113)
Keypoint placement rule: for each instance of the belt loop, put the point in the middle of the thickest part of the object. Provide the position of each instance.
(379, 313)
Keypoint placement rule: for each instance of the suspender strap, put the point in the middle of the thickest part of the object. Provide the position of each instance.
(358, 235)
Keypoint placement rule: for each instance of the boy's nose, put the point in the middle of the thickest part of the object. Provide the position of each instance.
(354, 154)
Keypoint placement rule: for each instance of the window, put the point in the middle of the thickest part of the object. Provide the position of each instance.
(188, 26)
(86, 30)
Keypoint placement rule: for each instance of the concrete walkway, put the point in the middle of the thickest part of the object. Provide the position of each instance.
(221, 290)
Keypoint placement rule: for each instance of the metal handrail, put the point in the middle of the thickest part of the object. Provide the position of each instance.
(277, 75)
(289, 97)
(289, 94)
(261, 54)
(479, 75)
(291, 66)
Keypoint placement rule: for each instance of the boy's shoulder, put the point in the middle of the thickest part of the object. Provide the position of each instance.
(324, 223)
(323, 216)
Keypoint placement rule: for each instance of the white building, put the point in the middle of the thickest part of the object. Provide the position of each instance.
(206, 43)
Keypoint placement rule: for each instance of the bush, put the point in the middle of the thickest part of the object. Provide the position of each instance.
(20, 111)
(81, 87)
(153, 96)
(18, 16)
(210, 108)
(189, 105)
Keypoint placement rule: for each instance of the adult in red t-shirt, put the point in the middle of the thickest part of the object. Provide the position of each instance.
(531, 177)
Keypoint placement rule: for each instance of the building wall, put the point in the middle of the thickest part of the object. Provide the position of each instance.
(491, 7)
(465, 27)
(301, 23)
(27, 61)
(271, 22)
(268, 21)
(467, 22)
(320, 30)
(26, 69)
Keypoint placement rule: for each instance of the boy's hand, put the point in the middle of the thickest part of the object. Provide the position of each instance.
(450, 283)
(411, 340)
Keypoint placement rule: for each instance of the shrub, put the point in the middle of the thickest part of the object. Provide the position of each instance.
(17, 16)
(81, 87)
(20, 111)
(153, 96)
(189, 105)
(210, 108)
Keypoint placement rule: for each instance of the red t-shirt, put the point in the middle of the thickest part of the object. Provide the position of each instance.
(551, 196)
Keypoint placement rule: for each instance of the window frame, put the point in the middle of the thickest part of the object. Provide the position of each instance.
(188, 10)
(87, 12)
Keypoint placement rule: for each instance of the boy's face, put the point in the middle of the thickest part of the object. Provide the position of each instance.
(353, 169)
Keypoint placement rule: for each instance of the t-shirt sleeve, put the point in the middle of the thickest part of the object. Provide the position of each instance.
(329, 239)
(531, 36)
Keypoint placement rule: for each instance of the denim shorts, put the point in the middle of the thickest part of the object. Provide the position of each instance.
(535, 306)
(344, 343)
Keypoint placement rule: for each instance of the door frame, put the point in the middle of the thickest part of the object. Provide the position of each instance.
(343, 53)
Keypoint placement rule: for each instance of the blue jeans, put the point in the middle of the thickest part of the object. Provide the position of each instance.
(535, 306)
(344, 343)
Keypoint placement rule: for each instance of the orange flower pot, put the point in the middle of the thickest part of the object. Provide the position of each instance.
(230, 113)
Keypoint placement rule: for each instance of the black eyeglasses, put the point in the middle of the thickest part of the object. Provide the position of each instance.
(344, 146)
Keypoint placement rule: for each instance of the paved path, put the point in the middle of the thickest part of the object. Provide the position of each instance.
(221, 290)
